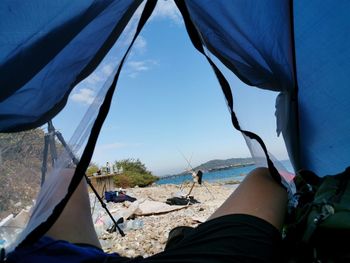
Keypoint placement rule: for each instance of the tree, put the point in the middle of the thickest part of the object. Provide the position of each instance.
(134, 172)
(131, 165)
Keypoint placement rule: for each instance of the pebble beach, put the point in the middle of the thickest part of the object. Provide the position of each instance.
(147, 234)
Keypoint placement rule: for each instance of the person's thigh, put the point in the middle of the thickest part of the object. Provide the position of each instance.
(258, 195)
(75, 222)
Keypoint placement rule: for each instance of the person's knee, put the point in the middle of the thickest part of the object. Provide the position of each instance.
(263, 171)
(260, 173)
(258, 195)
(261, 180)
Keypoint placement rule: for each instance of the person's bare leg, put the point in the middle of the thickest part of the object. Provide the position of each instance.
(258, 195)
(75, 223)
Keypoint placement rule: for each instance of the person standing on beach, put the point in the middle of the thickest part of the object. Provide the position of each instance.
(108, 169)
(197, 176)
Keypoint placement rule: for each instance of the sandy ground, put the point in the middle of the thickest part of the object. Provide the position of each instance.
(147, 235)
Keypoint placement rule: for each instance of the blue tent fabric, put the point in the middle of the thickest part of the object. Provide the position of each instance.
(57, 190)
(322, 35)
(252, 38)
(255, 40)
(46, 48)
(47, 57)
(42, 58)
(51, 28)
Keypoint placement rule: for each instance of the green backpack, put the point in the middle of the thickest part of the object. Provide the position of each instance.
(318, 229)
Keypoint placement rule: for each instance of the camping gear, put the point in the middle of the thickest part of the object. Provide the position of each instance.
(197, 179)
(118, 197)
(184, 200)
(320, 223)
(48, 48)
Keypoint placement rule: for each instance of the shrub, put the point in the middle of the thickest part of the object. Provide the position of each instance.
(134, 173)
(131, 179)
(123, 181)
(93, 168)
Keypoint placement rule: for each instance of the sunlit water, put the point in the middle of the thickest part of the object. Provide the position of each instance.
(232, 174)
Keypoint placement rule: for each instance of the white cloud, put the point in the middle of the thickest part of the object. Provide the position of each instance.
(133, 74)
(93, 79)
(138, 65)
(140, 45)
(84, 95)
(107, 69)
(135, 67)
(100, 75)
(87, 95)
(167, 9)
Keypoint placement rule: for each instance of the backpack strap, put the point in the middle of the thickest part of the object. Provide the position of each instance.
(327, 202)
(326, 210)
(314, 229)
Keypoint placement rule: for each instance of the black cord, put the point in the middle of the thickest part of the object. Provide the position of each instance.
(85, 158)
(225, 87)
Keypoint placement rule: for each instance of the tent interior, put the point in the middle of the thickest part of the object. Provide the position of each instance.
(52, 51)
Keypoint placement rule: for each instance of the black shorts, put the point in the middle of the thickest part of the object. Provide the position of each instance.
(230, 238)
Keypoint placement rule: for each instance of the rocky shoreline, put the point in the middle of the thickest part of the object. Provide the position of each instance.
(147, 235)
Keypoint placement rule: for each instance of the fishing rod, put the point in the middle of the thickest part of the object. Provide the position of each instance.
(188, 165)
(193, 172)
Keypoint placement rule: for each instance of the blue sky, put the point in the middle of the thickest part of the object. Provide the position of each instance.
(168, 104)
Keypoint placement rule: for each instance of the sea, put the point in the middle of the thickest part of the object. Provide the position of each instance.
(227, 175)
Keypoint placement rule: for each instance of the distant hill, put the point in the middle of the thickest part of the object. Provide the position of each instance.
(224, 164)
(217, 164)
